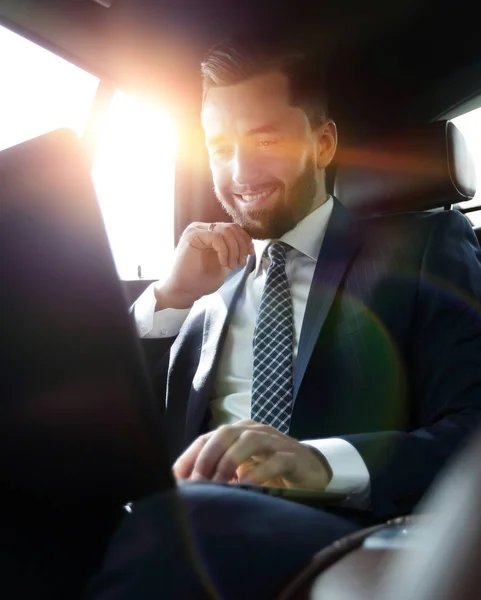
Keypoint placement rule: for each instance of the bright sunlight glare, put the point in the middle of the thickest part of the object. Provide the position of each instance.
(133, 174)
(40, 92)
(134, 167)
(134, 164)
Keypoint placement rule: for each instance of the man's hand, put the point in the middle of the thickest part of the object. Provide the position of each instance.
(202, 259)
(249, 452)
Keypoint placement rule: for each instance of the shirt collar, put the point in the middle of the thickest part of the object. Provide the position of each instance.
(306, 237)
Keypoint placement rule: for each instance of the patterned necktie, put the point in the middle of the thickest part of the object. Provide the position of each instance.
(272, 377)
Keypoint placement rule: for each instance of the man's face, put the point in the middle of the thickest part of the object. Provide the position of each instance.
(263, 155)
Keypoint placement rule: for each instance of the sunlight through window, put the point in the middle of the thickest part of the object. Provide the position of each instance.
(134, 164)
(40, 92)
(133, 175)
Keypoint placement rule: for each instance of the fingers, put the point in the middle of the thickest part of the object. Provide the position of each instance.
(249, 452)
(220, 246)
(216, 447)
(237, 241)
(233, 445)
(279, 465)
(234, 253)
(244, 240)
(231, 243)
(250, 444)
(184, 465)
(200, 461)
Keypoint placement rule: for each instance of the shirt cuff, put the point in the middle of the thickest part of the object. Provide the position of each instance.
(163, 323)
(349, 472)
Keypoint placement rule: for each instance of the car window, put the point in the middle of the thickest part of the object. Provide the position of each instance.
(470, 126)
(39, 91)
(133, 151)
(133, 174)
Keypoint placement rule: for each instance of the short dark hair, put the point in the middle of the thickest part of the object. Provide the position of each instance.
(238, 59)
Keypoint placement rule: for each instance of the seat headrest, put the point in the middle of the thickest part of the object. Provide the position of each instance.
(421, 169)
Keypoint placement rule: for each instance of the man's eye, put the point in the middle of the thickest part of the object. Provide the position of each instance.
(266, 143)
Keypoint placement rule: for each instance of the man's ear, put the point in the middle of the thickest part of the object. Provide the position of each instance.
(326, 143)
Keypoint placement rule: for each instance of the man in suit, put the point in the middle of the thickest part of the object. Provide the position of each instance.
(386, 328)
(304, 347)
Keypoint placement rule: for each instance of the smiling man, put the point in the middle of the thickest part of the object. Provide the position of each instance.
(268, 158)
(269, 143)
(301, 353)
(306, 348)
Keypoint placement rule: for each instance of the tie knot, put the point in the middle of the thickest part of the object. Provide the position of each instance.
(277, 252)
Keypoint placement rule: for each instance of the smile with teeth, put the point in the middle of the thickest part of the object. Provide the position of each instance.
(256, 197)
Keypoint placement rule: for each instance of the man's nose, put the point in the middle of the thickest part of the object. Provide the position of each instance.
(246, 166)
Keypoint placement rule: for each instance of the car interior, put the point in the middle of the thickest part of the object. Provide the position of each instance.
(404, 82)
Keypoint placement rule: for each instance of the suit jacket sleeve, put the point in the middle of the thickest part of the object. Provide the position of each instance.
(156, 336)
(446, 378)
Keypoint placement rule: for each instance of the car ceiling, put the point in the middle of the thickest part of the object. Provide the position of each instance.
(387, 61)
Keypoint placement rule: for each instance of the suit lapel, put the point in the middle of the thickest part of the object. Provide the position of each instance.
(218, 311)
(341, 244)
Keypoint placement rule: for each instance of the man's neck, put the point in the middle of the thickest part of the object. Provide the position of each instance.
(319, 199)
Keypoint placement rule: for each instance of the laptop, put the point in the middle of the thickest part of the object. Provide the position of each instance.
(79, 420)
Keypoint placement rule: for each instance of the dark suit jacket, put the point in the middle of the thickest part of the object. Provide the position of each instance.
(389, 353)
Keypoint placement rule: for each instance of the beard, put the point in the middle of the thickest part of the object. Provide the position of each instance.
(293, 204)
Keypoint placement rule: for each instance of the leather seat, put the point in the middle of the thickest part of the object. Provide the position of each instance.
(434, 555)
(427, 168)
(477, 231)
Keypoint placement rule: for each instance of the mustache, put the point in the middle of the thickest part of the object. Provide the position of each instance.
(254, 189)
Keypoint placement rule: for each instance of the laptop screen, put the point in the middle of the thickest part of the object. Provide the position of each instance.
(78, 418)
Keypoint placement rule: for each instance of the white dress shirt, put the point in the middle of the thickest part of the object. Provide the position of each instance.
(232, 388)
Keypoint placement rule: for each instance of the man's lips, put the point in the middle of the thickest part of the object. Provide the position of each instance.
(257, 197)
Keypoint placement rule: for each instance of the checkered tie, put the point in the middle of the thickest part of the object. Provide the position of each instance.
(272, 378)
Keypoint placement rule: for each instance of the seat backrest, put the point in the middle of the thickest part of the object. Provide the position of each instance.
(477, 231)
(422, 169)
(433, 555)
(445, 564)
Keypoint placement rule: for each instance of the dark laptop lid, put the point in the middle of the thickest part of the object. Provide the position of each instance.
(78, 419)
